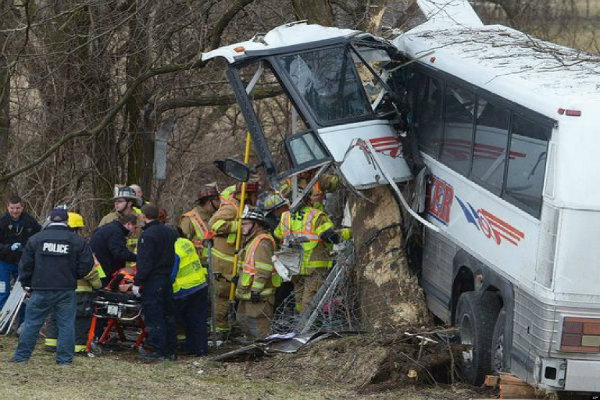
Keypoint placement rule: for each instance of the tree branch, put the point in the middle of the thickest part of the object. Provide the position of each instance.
(222, 23)
(216, 100)
(108, 117)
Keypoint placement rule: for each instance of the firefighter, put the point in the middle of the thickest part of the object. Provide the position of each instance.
(315, 227)
(84, 294)
(258, 279)
(194, 222)
(327, 183)
(274, 205)
(190, 291)
(52, 261)
(125, 202)
(224, 224)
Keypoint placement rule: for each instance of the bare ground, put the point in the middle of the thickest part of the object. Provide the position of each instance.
(358, 367)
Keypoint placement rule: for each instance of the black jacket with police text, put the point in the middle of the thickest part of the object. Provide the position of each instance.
(15, 232)
(54, 259)
(156, 252)
(109, 244)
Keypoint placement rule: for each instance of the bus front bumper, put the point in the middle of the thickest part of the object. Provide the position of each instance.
(582, 376)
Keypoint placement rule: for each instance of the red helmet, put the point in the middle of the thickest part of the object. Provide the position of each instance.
(251, 187)
(208, 191)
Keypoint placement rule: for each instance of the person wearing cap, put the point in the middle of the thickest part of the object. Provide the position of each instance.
(125, 202)
(194, 223)
(258, 279)
(84, 294)
(16, 227)
(152, 282)
(52, 262)
(224, 225)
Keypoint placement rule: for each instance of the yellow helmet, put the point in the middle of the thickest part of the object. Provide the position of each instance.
(75, 220)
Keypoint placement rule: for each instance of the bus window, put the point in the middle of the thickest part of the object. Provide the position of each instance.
(327, 81)
(429, 104)
(526, 164)
(458, 129)
(489, 152)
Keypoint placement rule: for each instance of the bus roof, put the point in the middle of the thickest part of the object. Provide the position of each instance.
(539, 75)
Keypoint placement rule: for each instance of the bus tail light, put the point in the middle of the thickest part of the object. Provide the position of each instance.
(580, 335)
(569, 113)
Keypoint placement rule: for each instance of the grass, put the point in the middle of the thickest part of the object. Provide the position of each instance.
(119, 375)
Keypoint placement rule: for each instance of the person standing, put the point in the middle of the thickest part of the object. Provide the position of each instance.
(155, 260)
(190, 291)
(258, 279)
(125, 201)
(84, 295)
(224, 224)
(109, 244)
(194, 223)
(52, 262)
(16, 227)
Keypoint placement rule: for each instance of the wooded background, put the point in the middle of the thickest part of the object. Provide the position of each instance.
(86, 84)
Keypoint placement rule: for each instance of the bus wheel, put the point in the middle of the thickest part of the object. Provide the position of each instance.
(475, 320)
(498, 346)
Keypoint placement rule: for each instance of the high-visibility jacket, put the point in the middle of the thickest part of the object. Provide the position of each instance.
(224, 224)
(257, 274)
(227, 193)
(309, 223)
(194, 227)
(92, 280)
(326, 183)
(188, 273)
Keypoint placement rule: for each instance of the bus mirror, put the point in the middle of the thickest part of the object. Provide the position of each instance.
(234, 169)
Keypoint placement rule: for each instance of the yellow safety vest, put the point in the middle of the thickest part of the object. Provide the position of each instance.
(302, 223)
(191, 273)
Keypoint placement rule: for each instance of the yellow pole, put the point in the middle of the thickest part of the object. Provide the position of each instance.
(238, 237)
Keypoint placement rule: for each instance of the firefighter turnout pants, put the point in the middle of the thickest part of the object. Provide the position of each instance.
(254, 319)
(307, 286)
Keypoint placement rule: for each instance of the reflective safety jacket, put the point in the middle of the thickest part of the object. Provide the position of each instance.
(92, 280)
(257, 273)
(227, 194)
(307, 222)
(224, 224)
(326, 183)
(194, 227)
(188, 274)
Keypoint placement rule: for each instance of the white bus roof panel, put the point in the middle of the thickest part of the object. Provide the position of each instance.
(297, 33)
(539, 75)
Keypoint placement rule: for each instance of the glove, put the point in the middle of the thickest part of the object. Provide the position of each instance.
(330, 236)
(255, 297)
(15, 246)
(136, 291)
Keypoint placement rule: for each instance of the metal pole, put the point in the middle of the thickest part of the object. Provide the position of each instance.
(238, 238)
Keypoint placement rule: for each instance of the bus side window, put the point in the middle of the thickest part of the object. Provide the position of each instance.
(491, 140)
(429, 104)
(526, 164)
(458, 129)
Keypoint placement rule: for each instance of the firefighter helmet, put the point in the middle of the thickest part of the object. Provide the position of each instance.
(254, 214)
(126, 193)
(269, 201)
(75, 220)
(207, 192)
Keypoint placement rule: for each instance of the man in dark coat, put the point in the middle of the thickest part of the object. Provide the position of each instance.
(155, 259)
(52, 262)
(16, 227)
(109, 244)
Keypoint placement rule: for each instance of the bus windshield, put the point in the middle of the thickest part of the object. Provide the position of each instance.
(327, 81)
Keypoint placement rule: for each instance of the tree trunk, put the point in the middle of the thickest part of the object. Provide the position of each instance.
(390, 296)
(315, 11)
(139, 125)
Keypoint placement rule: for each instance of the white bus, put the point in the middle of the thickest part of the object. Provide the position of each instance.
(507, 127)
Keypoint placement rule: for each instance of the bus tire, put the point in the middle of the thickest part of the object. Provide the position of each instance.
(475, 320)
(498, 344)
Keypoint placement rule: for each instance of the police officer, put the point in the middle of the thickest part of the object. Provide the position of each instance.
(52, 262)
(155, 259)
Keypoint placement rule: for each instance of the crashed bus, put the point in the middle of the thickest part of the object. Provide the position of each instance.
(503, 125)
